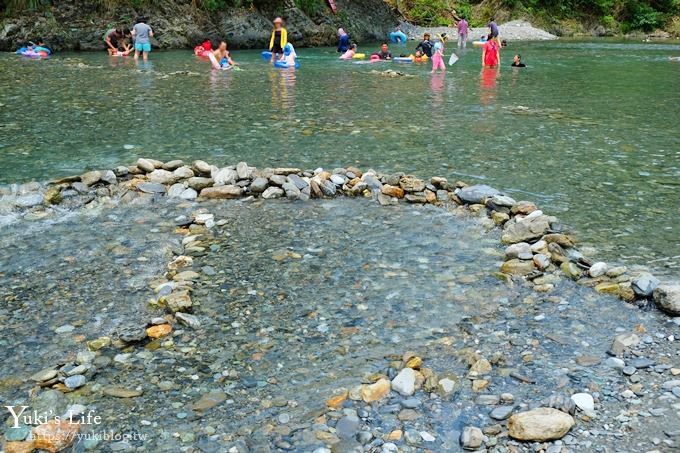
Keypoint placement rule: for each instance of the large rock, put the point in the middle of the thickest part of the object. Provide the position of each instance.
(392, 191)
(91, 177)
(471, 438)
(259, 185)
(224, 176)
(405, 382)
(540, 425)
(375, 391)
(178, 301)
(145, 165)
(476, 194)
(199, 183)
(162, 176)
(222, 192)
(411, 184)
(272, 192)
(518, 267)
(55, 435)
(667, 297)
(644, 284)
(531, 227)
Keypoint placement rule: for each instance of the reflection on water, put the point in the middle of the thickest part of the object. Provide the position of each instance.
(596, 143)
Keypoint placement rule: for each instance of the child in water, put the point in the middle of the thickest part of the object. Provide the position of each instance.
(419, 57)
(278, 40)
(289, 55)
(349, 54)
(223, 56)
(438, 58)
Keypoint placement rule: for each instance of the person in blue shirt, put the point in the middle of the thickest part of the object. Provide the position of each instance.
(343, 40)
(493, 28)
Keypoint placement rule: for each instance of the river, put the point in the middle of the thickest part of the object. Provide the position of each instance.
(588, 130)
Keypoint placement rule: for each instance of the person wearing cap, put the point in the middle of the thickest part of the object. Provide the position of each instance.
(278, 40)
(426, 45)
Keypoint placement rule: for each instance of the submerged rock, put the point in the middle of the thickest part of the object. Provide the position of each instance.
(471, 438)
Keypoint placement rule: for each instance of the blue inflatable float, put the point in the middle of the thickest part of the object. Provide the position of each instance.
(34, 52)
(398, 36)
(402, 60)
(283, 64)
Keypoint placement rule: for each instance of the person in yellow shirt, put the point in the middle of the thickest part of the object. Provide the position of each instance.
(278, 40)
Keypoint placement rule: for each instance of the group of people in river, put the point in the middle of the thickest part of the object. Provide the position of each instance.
(123, 41)
(433, 50)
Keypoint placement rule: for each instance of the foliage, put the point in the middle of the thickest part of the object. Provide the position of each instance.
(310, 7)
(624, 15)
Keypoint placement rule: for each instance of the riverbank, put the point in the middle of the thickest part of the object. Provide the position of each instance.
(180, 25)
(250, 305)
(516, 30)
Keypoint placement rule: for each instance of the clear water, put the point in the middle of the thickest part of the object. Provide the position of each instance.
(597, 143)
(357, 283)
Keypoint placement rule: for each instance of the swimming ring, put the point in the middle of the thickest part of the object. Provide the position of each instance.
(398, 36)
(201, 51)
(359, 56)
(36, 52)
(374, 58)
(403, 60)
(267, 55)
(283, 65)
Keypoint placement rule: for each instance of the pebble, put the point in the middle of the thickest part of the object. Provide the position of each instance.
(502, 412)
(629, 370)
(615, 362)
(75, 381)
(64, 329)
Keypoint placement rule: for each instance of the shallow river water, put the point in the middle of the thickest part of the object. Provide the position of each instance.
(299, 300)
(588, 130)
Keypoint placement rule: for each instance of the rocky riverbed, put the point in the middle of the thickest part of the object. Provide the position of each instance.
(189, 312)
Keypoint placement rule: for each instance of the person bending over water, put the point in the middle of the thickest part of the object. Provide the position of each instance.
(111, 39)
(517, 62)
(384, 53)
(343, 40)
(491, 54)
(349, 54)
(278, 40)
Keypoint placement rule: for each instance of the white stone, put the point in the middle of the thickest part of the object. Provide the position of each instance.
(405, 382)
(584, 401)
(427, 437)
(224, 177)
(598, 269)
(447, 385)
